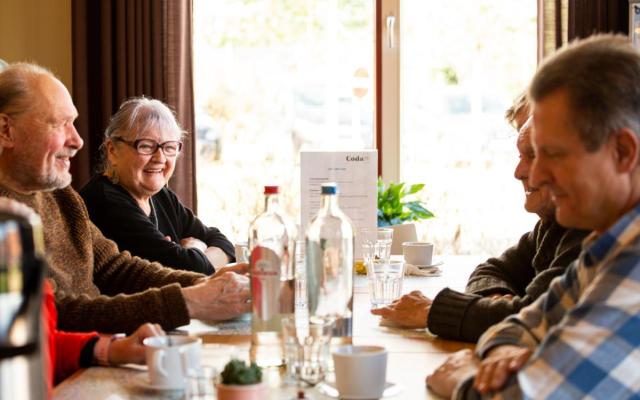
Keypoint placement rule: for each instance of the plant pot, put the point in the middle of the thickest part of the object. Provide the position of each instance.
(257, 391)
(402, 233)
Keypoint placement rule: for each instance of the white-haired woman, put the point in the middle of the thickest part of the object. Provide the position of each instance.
(130, 201)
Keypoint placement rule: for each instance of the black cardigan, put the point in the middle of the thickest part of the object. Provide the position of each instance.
(523, 271)
(114, 211)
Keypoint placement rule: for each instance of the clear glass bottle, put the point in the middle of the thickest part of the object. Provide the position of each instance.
(272, 250)
(329, 258)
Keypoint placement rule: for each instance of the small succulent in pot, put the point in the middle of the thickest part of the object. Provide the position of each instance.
(237, 372)
(241, 382)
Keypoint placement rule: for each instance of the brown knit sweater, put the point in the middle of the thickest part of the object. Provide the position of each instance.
(96, 286)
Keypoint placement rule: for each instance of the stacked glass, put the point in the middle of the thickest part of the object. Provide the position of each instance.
(385, 276)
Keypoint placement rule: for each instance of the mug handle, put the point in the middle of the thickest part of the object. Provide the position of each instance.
(158, 362)
(184, 359)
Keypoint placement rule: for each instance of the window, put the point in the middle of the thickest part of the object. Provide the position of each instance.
(273, 77)
(461, 65)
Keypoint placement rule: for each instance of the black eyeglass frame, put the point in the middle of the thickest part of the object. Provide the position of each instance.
(136, 143)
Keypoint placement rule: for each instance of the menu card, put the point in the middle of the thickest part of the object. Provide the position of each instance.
(356, 174)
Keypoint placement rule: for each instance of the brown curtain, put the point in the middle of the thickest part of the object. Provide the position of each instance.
(590, 16)
(125, 48)
(561, 21)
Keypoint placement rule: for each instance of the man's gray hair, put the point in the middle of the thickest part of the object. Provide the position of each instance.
(16, 82)
(136, 116)
(601, 75)
(520, 105)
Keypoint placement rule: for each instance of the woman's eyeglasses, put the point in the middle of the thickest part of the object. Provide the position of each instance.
(149, 147)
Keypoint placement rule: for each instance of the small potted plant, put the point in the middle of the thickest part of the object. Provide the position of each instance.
(241, 382)
(398, 205)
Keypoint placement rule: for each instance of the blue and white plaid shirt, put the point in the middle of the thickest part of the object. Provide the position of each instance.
(585, 331)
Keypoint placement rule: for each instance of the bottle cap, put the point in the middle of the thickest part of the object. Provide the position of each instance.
(329, 188)
(271, 190)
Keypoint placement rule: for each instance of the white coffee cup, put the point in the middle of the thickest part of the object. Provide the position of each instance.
(418, 253)
(171, 358)
(361, 371)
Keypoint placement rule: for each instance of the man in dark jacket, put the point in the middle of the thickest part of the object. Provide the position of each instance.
(500, 286)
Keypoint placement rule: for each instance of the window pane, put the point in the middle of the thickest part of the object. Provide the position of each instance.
(462, 64)
(273, 77)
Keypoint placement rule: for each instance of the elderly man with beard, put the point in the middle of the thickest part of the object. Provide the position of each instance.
(96, 286)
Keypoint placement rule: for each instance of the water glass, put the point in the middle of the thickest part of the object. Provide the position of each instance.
(306, 348)
(241, 251)
(290, 346)
(385, 282)
(201, 383)
(376, 244)
(300, 275)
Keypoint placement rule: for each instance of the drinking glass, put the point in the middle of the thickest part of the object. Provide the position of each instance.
(385, 281)
(300, 275)
(306, 348)
(376, 244)
(201, 383)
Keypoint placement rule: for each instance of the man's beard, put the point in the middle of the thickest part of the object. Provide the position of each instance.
(44, 183)
(30, 180)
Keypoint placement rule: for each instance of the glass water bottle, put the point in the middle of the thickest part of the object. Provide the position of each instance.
(272, 249)
(329, 254)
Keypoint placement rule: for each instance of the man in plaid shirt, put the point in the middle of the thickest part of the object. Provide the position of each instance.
(582, 338)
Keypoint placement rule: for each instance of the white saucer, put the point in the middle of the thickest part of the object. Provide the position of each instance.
(329, 389)
(432, 265)
(142, 381)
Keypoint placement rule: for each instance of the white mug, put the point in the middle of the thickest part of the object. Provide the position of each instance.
(418, 253)
(170, 358)
(361, 371)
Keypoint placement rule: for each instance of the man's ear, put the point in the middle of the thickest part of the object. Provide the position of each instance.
(627, 148)
(6, 132)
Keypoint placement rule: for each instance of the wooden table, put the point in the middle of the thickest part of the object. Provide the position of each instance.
(413, 354)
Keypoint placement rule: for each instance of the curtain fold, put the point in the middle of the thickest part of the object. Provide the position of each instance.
(126, 48)
(564, 20)
(590, 16)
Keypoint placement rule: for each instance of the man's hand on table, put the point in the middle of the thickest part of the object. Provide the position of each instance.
(501, 362)
(238, 268)
(409, 311)
(131, 349)
(218, 298)
(458, 367)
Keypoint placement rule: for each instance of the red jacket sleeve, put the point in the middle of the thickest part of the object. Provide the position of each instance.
(64, 347)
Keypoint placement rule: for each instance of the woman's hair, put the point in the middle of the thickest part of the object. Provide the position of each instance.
(134, 117)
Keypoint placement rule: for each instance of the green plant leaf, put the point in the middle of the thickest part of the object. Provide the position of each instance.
(419, 209)
(416, 188)
(394, 208)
